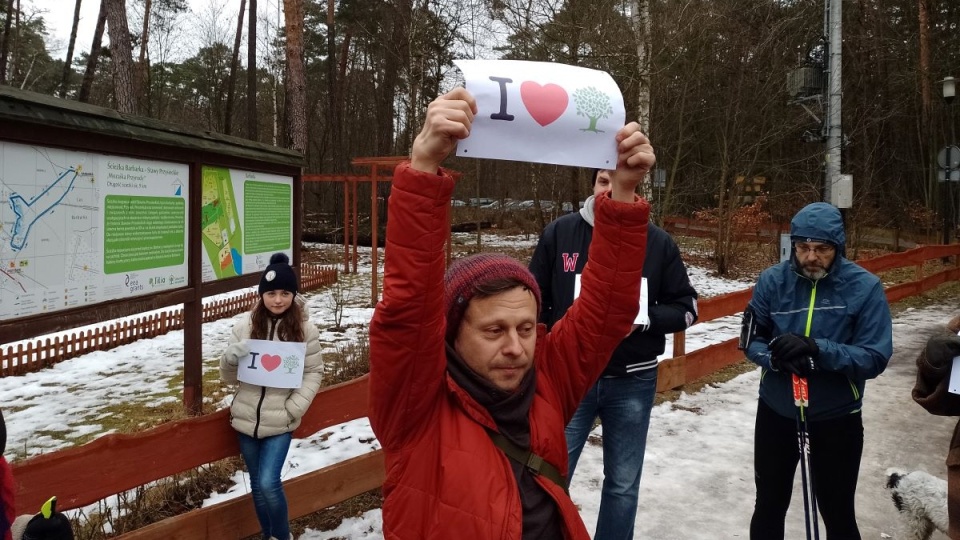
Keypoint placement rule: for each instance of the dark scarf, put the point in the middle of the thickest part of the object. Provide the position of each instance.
(510, 411)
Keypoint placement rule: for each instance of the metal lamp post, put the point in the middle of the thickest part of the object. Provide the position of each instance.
(949, 161)
(949, 93)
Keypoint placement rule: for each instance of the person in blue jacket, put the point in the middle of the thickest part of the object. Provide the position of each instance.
(822, 317)
(623, 396)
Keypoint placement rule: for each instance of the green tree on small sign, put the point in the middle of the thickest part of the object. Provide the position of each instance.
(291, 363)
(593, 104)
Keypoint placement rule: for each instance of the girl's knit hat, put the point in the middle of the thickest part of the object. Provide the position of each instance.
(278, 275)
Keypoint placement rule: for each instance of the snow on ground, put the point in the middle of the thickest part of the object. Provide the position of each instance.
(698, 473)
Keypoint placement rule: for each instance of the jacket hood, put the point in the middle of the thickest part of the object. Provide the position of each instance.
(587, 210)
(820, 222)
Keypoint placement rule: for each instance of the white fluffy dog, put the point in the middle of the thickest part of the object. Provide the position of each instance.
(921, 500)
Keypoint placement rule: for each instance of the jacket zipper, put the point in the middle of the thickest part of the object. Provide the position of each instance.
(813, 297)
(263, 389)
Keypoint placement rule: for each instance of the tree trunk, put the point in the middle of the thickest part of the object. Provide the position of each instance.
(252, 133)
(145, 34)
(234, 63)
(295, 87)
(396, 53)
(123, 86)
(5, 45)
(142, 82)
(94, 56)
(68, 63)
(333, 116)
(641, 29)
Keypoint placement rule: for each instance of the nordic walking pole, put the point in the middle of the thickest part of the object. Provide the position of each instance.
(801, 398)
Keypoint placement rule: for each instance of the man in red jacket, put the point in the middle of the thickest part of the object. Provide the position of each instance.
(469, 396)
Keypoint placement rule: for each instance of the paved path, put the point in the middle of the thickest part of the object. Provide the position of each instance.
(698, 476)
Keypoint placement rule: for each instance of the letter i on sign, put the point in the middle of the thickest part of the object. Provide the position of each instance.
(502, 115)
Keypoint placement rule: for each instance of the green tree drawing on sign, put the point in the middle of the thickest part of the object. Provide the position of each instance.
(593, 104)
(291, 363)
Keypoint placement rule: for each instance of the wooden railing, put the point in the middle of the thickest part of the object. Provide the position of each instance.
(40, 353)
(688, 226)
(79, 477)
(684, 368)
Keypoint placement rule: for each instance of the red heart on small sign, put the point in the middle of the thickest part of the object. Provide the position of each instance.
(544, 103)
(270, 362)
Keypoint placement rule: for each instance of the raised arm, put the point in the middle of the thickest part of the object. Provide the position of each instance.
(581, 342)
(407, 359)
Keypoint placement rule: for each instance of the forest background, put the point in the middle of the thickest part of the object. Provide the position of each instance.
(706, 78)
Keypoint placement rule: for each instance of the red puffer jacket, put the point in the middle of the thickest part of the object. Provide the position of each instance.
(8, 510)
(445, 478)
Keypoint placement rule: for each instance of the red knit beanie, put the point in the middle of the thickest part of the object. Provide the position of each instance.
(465, 274)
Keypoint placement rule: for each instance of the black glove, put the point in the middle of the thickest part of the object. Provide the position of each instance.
(794, 353)
(802, 366)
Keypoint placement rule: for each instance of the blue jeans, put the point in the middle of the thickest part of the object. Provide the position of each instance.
(623, 405)
(264, 459)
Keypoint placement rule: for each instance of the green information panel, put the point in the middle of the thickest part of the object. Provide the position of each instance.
(142, 233)
(222, 234)
(267, 210)
(245, 217)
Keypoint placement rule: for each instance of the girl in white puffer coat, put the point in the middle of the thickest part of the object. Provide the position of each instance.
(266, 417)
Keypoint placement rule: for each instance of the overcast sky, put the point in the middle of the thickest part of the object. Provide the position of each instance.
(58, 15)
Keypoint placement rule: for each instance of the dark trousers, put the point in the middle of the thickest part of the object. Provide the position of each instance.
(835, 449)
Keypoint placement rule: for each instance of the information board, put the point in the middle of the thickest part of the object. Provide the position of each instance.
(78, 228)
(245, 218)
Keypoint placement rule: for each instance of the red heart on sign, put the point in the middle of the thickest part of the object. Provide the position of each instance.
(544, 103)
(270, 362)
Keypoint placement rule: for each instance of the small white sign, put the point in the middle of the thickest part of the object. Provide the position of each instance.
(954, 386)
(643, 316)
(542, 112)
(276, 364)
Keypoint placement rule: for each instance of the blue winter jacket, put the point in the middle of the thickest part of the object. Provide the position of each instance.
(847, 313)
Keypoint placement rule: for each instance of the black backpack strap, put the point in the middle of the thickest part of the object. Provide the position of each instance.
(529, 460)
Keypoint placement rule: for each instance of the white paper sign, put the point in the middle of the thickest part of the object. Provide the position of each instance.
(277, 364)
(643, 316)
(954, 386)
(542, 112)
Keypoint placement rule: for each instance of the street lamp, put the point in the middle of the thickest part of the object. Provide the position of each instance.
(950, 92)
(950, 164)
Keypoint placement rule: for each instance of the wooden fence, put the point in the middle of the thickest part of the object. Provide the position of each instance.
(79, 476)
(895, 239)
(40, 353)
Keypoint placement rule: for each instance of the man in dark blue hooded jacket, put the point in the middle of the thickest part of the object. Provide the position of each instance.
(822, 317)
